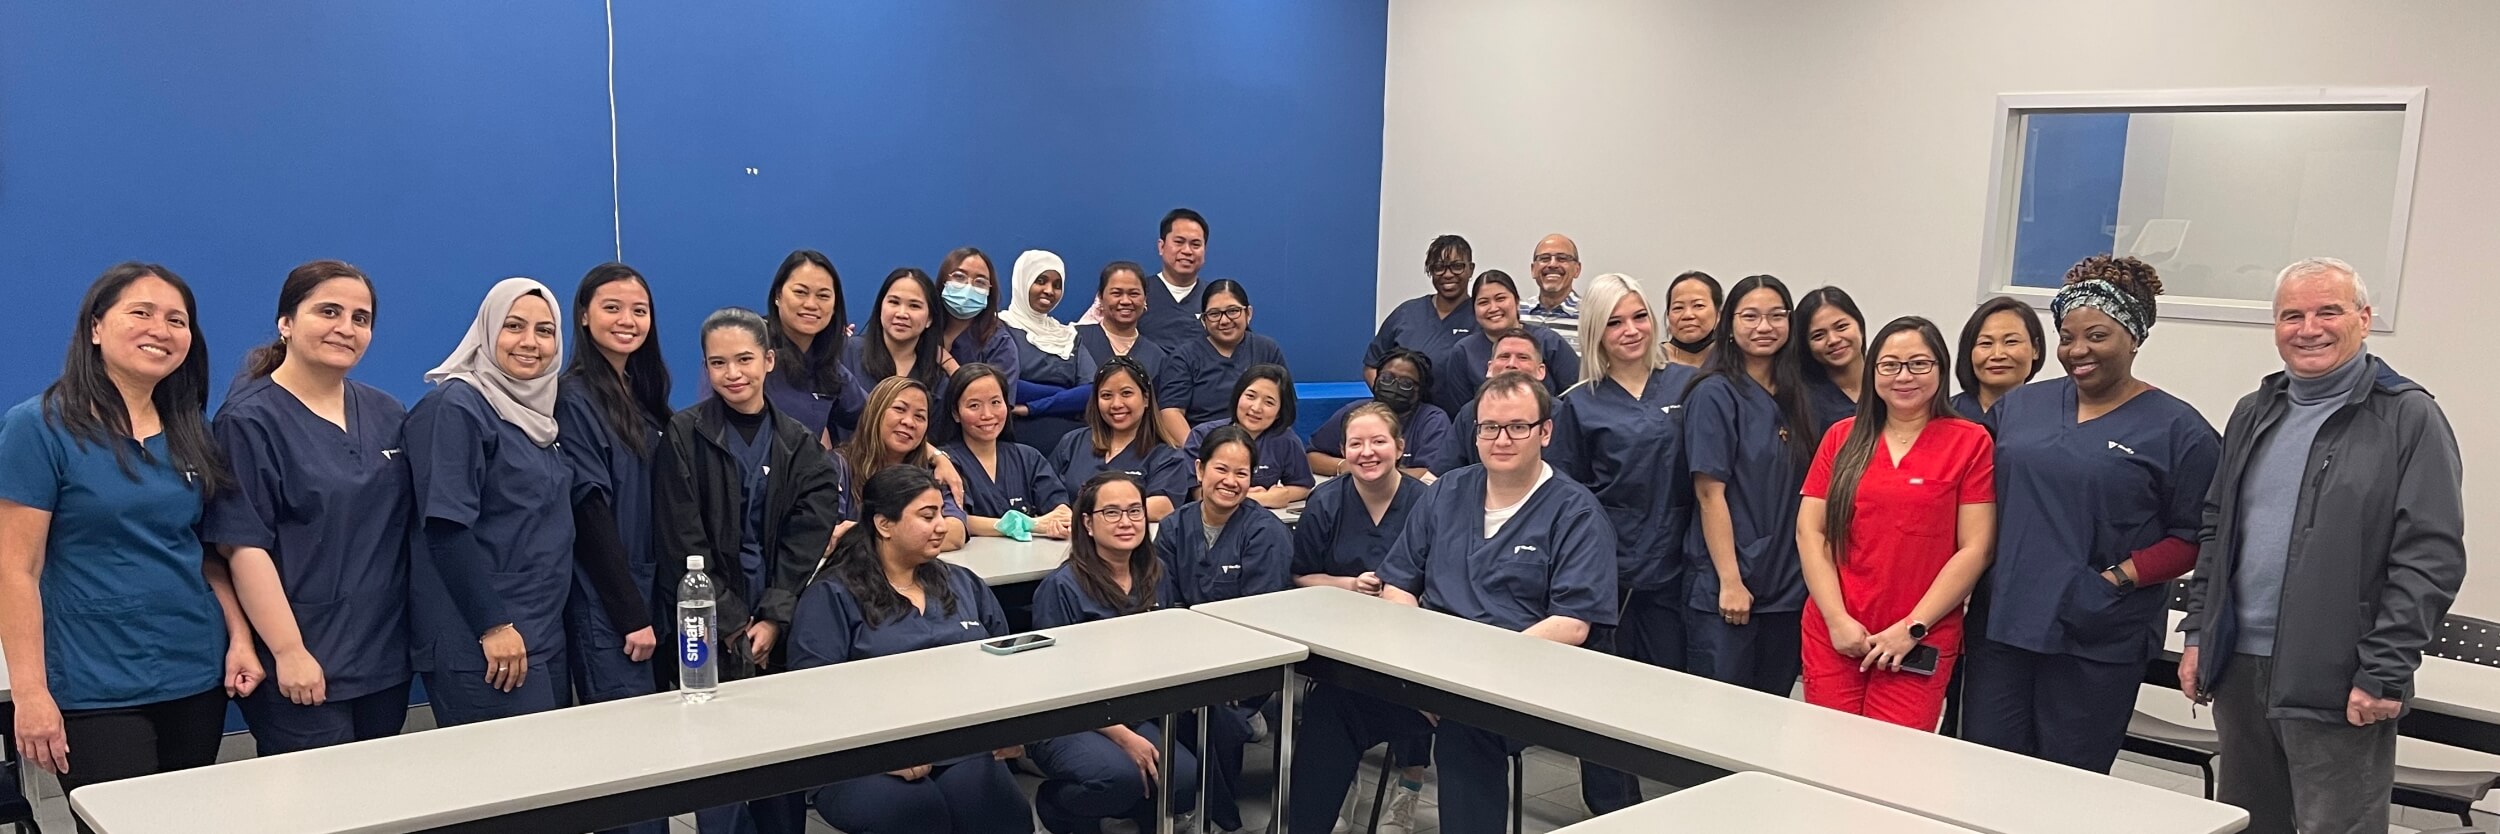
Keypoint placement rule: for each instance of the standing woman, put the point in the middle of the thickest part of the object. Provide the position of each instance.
(1193, 385)
(1748, 435)
(895, 431)
(1620, 432)
(1009, 488)
(610, 408)
(1224, 547)
(1121, 296)
(1112, 571)
(1398, 385)
(750, 490)
(316, 528)
(124, 641)
(818, 382)
(1461, 367)
(970, 299)
(1263, 406)
(1693, 300)
(1923, 482)
(904, 345)
(884, 592)
(1121, 435)
(2001, 350)
(487, 592)
(1833, 358)
(2103, 481)
(1048, 388)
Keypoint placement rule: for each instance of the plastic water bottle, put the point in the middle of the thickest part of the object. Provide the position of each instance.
(698, 632)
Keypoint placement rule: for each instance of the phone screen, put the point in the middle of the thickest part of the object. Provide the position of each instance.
(1921, 659)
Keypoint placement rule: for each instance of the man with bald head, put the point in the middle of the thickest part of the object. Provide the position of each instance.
(1556, 269)
(2333, 542)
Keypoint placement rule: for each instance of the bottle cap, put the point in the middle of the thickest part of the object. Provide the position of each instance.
(694, 562)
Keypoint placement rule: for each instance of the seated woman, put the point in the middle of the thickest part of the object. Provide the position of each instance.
(1111, 571)
(1009, 488)
(1399, 385)
(1224, 547)
(1193, 383)
(1050, 392)
(885, 592)
(1121, 434)
(1263, 406)
(894, 429)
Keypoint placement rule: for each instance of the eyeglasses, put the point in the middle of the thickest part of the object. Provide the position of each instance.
(1132, 512)
(1751, 318)
(1557, 258)
(1224, 313)
(962, 277)
(1516, 431)
(1458, 268)
(1917, 367)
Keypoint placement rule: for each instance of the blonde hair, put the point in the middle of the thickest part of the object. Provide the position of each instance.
(1598, 306)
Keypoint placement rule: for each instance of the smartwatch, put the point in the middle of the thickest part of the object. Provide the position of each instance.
(1918, 630)
(2120, 574)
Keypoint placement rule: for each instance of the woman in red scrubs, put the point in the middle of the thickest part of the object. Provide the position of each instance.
(1898, 517)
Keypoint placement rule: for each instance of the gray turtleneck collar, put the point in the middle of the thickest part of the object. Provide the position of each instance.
(2333, 385)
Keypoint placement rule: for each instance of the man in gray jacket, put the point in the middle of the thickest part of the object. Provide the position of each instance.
(2333, 543)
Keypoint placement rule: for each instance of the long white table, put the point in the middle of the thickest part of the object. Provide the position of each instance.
(1762, 804)
(1631, 716)
(607, 764)
(2454, 702)
(1001, 561)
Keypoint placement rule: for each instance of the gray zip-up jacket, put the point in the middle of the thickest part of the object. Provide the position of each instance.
(2376, 559)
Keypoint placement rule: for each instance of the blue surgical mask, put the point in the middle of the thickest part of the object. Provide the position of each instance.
(965, 300)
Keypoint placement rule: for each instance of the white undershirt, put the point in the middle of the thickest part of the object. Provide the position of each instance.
(1496, 517)
(1179, 293)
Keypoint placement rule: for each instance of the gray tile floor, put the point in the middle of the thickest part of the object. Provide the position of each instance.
(1552, 783)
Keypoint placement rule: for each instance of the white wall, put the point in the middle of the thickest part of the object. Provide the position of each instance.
(1847, 143)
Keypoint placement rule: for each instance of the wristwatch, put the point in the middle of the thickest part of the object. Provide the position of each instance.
(2119, 574)
(1918, 630)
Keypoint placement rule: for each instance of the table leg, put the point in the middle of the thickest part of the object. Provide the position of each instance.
(1283, 733)
(1163, 777)
(1198, 819)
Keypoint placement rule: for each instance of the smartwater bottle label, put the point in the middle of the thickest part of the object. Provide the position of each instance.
(693, 644)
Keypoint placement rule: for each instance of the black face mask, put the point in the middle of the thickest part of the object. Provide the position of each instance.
(1396, 392)
(1694, 346)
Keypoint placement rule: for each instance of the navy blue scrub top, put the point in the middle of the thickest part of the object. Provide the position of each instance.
(1199, 381)
(128, 618)
(1732, 433)
(1415, 326)
(1554, 558)
(1630, 452)
(1060, 601)
(1829, 404)
(1164, 470)
(1427, 435)
(837, 410)
(1172, 322)
(1459, 370)
(1462, 448)
(1096, 346)
(1336, 535)
(332, 507)
(1282, 459)
(1253, 555)
(1037, 365)
(605, 464)
(472, 468)
(2076, 498)
(1967, 405)
(998, 352)
(1025, 482)
(829, 627)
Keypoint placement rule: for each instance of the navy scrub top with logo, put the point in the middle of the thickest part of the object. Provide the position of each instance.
(999, 351)
(1164, 470)
(1554, 558)
(834, 411)
(1413, 325)
(1427, 437)
(472, 468)
(128, 618)
(1025, 482)
(1282, 459)
(1169, 321)
(1096, 346)
(1336, 535)
(1251, 556)
(1060, 601)
(828, 626)
(2074, 498)
(1630, 452)
(332, 507)
(1732, 433)
(1199, 381)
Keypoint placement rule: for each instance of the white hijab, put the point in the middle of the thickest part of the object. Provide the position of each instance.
(1054, 337)
(529, 404)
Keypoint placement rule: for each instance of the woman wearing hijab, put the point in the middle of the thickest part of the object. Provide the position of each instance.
(494, 492)
(1051, 390)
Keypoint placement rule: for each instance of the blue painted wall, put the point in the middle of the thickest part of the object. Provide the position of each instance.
(443, 145)
(2070, 193)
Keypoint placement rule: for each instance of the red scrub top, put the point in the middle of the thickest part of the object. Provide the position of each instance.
(1903, 532)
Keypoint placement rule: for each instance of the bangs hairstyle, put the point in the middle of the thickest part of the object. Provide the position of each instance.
(857, 564)
(1283, 379)
(636, 406)
(865, 451)
(878, 360)
(1597, 310)
(1728, 359)
(982, 326)
(86, 404)
(1148, 428)
(1849, 465)
(951, 427)
(1085, 557)
(823, 372)
(1520, 384)
(1969, 376)
(300, 282)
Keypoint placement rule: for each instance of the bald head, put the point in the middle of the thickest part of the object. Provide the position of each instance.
(1556, 267)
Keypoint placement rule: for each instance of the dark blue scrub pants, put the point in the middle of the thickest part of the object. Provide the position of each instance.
(1762, 655)
(1339, 724)
(282, 726)
(464, 697)
(1090, 780)
(601, 672)
(1651, 630)
(973, 796)
(1228, 734)
(2057, 707)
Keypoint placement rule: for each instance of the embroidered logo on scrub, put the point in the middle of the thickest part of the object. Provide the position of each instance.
(2114, 445)
(969, 624)
(388, 454)
(1228, 568)
(1669, 410)
(1528, 548)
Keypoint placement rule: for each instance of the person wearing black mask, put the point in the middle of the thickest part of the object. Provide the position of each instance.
(1400, 382)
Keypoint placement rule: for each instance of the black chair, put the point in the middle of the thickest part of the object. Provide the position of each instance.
(2466, 640)
(1518, 791)
(2170, 742)
(15, 811)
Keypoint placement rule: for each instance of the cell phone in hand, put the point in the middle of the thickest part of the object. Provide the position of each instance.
(1921, 660)
(1018, 643)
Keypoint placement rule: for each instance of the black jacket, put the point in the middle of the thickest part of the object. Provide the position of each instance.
(2377, 558)
(700, 500)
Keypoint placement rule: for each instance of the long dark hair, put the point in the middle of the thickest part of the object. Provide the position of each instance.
(645, 387)
(819, 368)
(1093, 577)
(1728, 360)
(300, 282)
(1840, 507)
(1283, 379)
(984, 325)
(85, 403)
(1968, 376)
(878, 361)
(950, 429)
(1148, 428)
(1801, 320)
(855, 561)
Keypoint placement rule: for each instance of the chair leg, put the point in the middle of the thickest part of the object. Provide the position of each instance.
(1380, 794)
(1518, 795)
(2208, 767)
